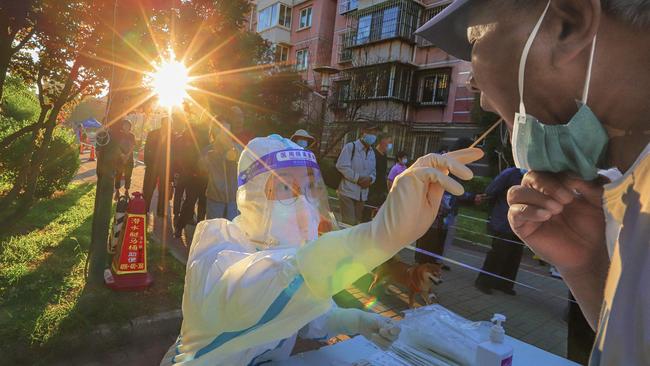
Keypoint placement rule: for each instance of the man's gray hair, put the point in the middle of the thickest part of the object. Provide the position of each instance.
(633, 12)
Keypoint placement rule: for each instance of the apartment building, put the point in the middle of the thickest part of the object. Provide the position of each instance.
(387, 75)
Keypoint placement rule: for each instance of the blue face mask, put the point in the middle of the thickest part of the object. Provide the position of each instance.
(578, 146)
(389, 148)
(369, 139)
(302, 143)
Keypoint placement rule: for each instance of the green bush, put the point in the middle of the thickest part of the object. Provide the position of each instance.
(330, 174)
(60, 165)
(476, 184)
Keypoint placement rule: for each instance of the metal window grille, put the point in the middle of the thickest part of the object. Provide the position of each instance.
(427, 15)
(345, 53)
(390, 80)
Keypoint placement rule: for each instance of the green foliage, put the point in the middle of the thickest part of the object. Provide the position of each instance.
(276, 94)
(59, 167)
(329, 172)
(476, 184)
(19, 102)
(88, 108)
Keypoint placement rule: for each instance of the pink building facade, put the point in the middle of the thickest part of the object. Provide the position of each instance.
(387, 75)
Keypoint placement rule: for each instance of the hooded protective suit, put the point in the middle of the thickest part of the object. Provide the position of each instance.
(253, 284)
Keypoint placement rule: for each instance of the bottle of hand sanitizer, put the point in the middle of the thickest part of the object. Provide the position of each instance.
(494, 352)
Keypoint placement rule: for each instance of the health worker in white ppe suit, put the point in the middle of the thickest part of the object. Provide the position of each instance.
(254, 284)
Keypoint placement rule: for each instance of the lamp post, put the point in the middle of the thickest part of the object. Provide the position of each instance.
(326, 73)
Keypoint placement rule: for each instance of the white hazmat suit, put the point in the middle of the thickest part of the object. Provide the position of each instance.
(254, 284)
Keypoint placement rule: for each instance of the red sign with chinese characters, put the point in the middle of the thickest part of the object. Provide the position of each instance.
(132, 256)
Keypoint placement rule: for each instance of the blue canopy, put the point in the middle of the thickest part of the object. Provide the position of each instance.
(91, 123)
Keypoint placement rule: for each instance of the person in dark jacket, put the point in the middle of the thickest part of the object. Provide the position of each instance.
(504, 257)
(219, 162)
(191, 177)
(121, 133)
(178, 146)
(157, 172)
(379, 189)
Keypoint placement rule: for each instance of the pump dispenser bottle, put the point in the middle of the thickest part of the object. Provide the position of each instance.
(494, 352)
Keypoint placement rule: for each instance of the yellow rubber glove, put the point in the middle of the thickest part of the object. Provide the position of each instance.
(381, 330)
(335, 260)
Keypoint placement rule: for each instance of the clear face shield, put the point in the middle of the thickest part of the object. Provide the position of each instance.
(292, 201)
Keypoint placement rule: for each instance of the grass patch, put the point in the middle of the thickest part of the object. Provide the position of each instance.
(43, 298)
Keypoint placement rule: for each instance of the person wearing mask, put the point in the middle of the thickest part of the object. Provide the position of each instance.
(378, 190)
(356, 163)
(192, 177)
(219, 162)
(303, 139)
(398, 168)
(124, 169)
(505, 256)
(157, 173)
(583, 205)
(255, 284)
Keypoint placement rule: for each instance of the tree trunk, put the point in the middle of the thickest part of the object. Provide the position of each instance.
(37, 163)
(4, 65)
(121, 96)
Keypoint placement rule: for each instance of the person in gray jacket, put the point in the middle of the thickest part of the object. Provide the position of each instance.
(357, 165)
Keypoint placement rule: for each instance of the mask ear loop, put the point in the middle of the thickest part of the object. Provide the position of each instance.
(585, 90)
(524, 57)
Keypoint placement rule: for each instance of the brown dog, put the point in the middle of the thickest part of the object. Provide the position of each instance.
(418, 279)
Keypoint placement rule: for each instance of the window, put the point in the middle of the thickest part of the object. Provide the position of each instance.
(435, 88)
(276, 14)
(264, 18)
(305, 18)
(363, 29)
(281, 53)
(302, 59)
(389, 22)
(347, 5)
(285, 16)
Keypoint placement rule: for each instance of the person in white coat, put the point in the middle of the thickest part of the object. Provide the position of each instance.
(254, 284)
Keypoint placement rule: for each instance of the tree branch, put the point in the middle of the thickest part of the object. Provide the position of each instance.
(14, 136)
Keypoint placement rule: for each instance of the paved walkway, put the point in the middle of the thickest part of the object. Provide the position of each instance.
(536, 317)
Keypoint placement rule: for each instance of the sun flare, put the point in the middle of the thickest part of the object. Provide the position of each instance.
(170, 82)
